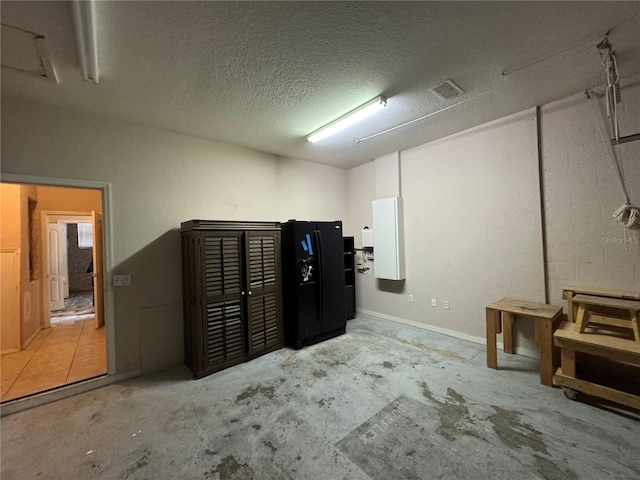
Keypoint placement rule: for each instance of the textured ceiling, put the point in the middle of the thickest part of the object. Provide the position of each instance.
(265, 74)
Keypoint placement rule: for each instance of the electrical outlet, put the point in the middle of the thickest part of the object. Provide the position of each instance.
(447, 305)
(434, 303)
(410, 298)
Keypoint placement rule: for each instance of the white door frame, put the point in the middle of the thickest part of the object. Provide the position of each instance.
(47, 217)
(105, 189)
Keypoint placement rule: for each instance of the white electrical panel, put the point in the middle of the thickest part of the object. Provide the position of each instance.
(388, 239)
(367, 238)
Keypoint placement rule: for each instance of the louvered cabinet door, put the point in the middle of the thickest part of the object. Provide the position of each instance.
(222, 283)
(264, 318)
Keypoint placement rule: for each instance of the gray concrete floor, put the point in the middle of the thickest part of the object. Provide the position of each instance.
(384, 401)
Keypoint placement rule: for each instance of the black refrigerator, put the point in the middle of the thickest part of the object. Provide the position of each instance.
(313, 282)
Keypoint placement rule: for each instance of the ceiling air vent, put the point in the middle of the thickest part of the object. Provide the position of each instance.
(25, 51)
(446, 90)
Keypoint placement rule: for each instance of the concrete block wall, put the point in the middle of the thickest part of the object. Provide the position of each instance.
(585, 245)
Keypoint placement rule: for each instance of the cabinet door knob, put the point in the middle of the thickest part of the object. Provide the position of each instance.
(242, 293)
(250, 292)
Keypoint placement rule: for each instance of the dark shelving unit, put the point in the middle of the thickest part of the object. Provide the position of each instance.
(349, 276)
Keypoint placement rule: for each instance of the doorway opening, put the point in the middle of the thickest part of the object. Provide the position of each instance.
(54, 242)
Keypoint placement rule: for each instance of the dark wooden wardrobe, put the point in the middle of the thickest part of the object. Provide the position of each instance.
(232, 292)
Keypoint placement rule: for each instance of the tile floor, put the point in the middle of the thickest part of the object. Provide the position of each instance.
(59, 355)
(78, 304)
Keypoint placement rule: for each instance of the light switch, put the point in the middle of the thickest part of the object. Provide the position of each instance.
(121, 280)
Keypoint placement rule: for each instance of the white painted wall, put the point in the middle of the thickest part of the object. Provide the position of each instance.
(160, 179)
(473, 231)
(581, 192)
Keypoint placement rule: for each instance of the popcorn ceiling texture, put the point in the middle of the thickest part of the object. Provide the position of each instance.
(263, 75)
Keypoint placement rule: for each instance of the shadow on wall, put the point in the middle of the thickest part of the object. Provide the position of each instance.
(391, 286)
(148, 313)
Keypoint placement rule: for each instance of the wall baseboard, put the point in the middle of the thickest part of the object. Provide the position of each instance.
(31, 338)
(18, 405)
(9, 350)
(445, 331)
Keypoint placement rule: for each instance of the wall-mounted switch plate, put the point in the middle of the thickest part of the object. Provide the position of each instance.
(447, 305)
(121, 280)
(434, 303)
(410, 298)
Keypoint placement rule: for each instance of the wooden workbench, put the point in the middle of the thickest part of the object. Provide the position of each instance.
(601, 343)
(500, 314)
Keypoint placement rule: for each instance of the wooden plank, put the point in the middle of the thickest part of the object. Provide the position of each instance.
(525, 307)
(492, 349)
(604, 343)
(623, 398)
(581, 318)
(620, 303)
(545, 328)
(507, 337)
(601, 291)
(568, 361)
(611, 321)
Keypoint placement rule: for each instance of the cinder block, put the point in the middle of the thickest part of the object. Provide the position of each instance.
(561, 271)
(559, 233)
(583, 253)
(556, 191)
(615, 275)
(614, 247)
(585, 195)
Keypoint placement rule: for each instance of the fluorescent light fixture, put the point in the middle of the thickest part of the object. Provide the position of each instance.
(84, 20)
(350, 118)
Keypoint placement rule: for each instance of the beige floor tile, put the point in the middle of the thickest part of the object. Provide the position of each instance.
(91, 338)
(90, 328)
(44, 368)
(58, 338)
(89, 360)
(8, 377)
(61, 354)
(36, 342)
(42, 358)
(90, 348)
(81, 372)
(7, 382)
(15, 361)
(27, 385)
(67, 348)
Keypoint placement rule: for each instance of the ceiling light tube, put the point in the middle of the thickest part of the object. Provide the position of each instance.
(85, 26)
(350, 118)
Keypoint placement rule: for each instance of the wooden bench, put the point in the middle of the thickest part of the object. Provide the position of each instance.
(586, 317)
(601, 343)
(570, 291)
(545, 317)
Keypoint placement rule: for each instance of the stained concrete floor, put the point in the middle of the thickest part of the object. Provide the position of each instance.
(384, 401)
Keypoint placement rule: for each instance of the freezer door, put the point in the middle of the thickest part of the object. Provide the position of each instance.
(302, 293)
(328, 237)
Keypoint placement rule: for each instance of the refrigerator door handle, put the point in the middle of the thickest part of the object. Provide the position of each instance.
(318, 238)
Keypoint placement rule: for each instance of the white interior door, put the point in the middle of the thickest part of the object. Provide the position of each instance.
(55, 275)
(10, 304)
